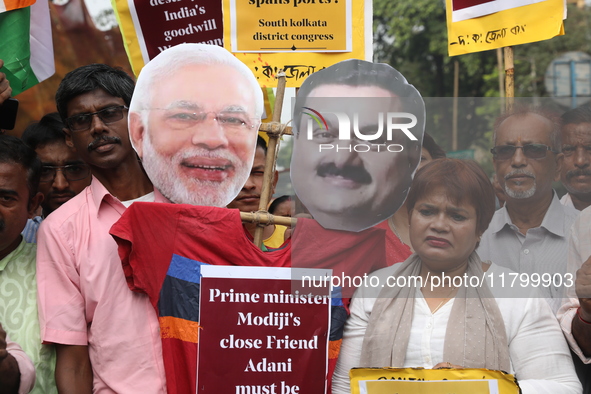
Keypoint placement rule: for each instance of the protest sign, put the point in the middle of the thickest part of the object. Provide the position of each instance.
(471, 27)
(291, 26)
(468, 9)
(149, 27)
(258, 335)
(297, 36)
(431, 381)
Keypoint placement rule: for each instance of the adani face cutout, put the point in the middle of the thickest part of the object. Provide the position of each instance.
(359, 131)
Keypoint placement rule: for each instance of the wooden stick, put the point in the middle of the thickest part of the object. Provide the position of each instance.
(509, 78)
(454, 130)
(275, 128)
(267, 218)
(500, 68)
(271, 157)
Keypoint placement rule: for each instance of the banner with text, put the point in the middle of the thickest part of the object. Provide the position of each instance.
(480, 25)
(149, 27)
(431, 381)
(259, 335)
(291, 26)
(297, 36)
(467, 9)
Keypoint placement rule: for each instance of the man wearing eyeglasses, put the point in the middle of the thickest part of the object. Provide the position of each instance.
(106, 337)
(195, 127)
(63, 173)
(530, 233)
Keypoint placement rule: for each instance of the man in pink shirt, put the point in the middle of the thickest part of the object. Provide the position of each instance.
(107, 337)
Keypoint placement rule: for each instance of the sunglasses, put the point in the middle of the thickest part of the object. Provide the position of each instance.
(531, 151)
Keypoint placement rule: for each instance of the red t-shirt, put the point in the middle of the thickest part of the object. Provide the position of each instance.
(162, 247)
(396, 250)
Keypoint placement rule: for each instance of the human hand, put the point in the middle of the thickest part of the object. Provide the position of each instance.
(583, 289)
(5, 89)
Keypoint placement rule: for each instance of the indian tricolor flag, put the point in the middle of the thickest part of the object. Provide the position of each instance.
(7, 5)
(25, 44)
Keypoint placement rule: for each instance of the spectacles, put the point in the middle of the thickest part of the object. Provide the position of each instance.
(178, 118)
(531, 151)
(106, 115)
(72, 172)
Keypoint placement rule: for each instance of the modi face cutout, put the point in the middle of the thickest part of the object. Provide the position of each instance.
(193, 120)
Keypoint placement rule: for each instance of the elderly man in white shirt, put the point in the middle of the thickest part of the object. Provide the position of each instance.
(529, 235)
(575, 314)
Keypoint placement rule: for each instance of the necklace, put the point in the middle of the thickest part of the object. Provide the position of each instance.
(393, 227)
(447, 298)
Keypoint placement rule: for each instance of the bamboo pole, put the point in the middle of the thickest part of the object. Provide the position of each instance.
(264, 217)
(500, 68)
(271, 158)
(275, 128)
(509, 78)
(454, 131)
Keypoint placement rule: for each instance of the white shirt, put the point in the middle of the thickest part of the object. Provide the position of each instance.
(541, 251)
(579, 250)
(540, 358)
(567, 201)
(425, 344)
(150, 197)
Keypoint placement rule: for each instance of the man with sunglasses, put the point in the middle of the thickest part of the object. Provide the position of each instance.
(530, 233)
(63, 173)
(106, 337)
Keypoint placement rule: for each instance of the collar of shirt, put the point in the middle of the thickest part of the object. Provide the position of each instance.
(553, 219)
(12, 255)
(100, 195)
(567, 201)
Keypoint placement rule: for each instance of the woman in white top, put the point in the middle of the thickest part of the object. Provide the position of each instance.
(410, 323)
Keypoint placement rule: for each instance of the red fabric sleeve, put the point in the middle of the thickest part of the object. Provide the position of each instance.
(145, 246)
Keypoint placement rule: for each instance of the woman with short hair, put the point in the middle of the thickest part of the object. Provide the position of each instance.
(450, 205)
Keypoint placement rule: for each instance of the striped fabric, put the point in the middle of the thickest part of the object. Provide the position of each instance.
(7, 5)
(178, 305)
(26, 45)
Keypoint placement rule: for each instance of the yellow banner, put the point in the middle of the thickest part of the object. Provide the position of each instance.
(311, 22)
(431, 381)
(130, 41)
(521, 25)
(437, 387)
(291, 25)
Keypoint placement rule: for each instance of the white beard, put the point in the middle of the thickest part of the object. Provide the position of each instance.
(520, 195)
(163, 172)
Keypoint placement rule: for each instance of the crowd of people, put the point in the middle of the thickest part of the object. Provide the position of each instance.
(185, 136)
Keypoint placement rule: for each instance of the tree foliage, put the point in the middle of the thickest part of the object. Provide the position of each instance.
(412, 37)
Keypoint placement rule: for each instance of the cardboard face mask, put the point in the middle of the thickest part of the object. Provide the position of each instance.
(360, 128)
(193, 120)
